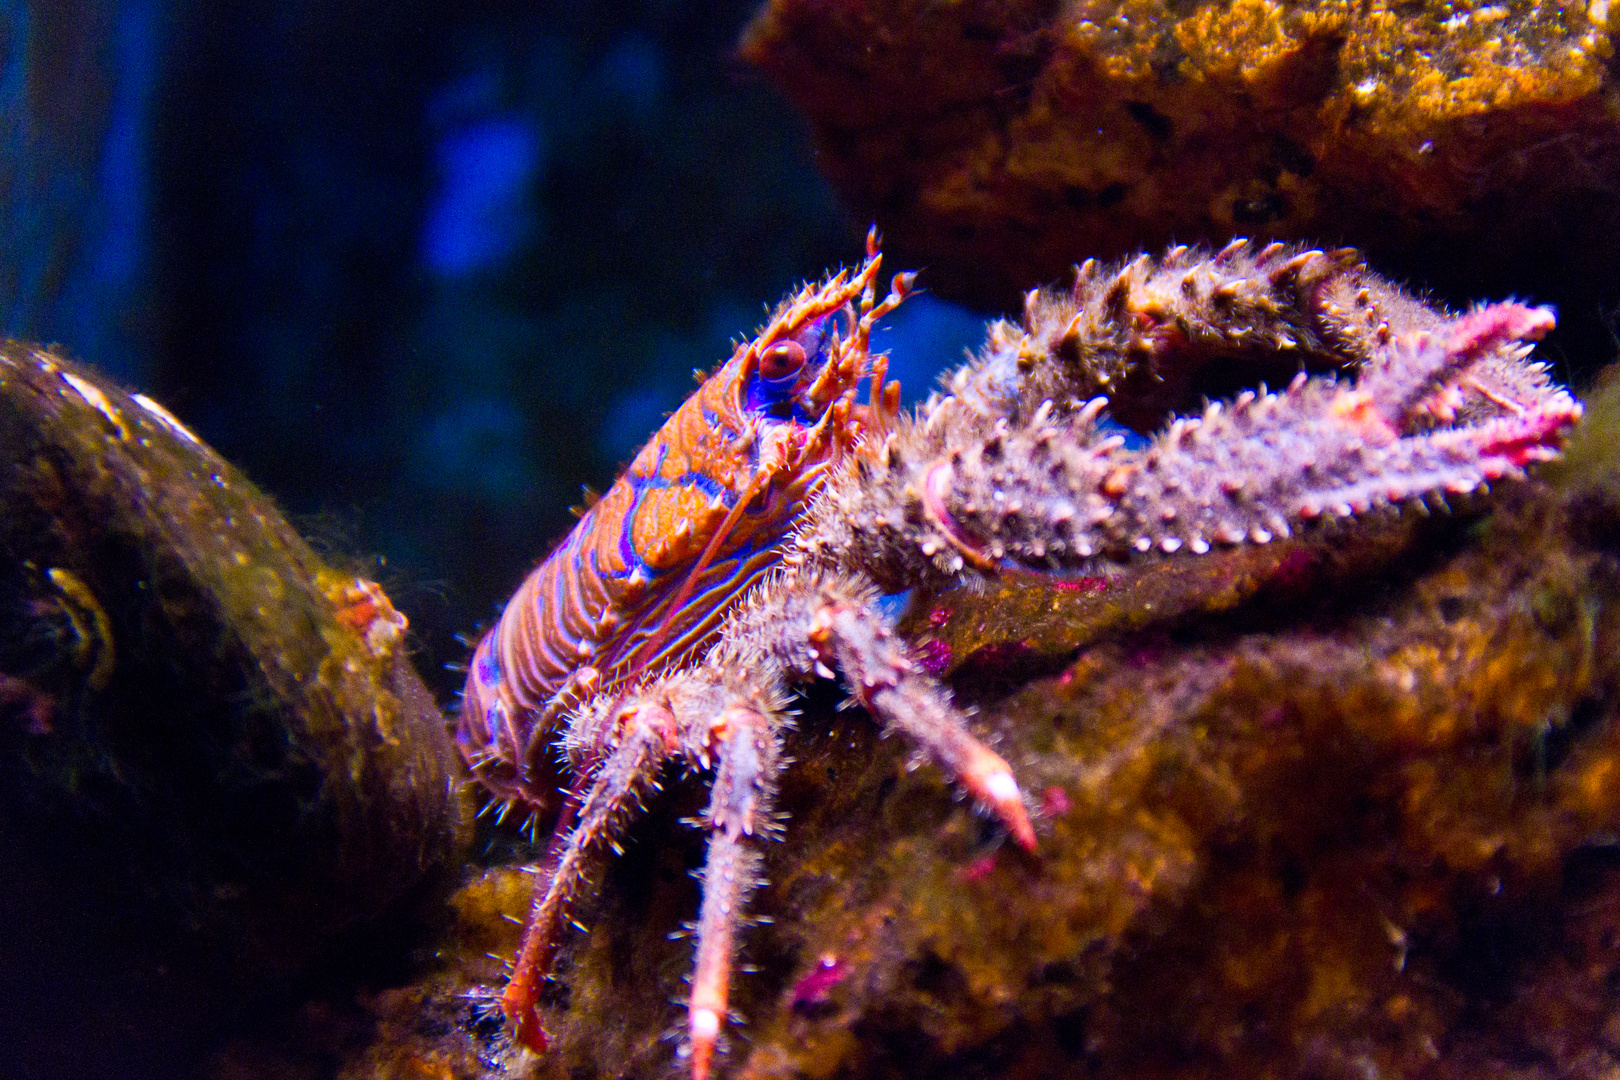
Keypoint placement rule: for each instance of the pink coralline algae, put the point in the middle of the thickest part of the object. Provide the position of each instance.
(815, 988)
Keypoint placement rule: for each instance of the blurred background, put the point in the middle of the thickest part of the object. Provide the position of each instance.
(420, 269)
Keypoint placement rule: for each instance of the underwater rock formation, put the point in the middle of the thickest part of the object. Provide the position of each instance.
(992, 141)
(215, 758)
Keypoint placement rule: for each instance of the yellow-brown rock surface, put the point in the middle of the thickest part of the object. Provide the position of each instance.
(994, 140)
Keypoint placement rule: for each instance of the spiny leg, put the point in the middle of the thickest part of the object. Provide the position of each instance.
(811, 619)
(644, 739)
(534, 957)
(906, 699)
(739, 815)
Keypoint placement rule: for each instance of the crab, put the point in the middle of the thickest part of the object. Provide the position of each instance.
(747, 550)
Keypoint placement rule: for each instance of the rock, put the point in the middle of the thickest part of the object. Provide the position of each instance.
(994, 142)
(216, 763)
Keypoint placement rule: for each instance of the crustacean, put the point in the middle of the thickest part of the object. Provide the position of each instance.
(745, 549)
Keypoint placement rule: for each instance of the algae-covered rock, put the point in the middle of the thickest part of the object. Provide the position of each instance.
(1321, 819)
(215, 759)
(992, 141)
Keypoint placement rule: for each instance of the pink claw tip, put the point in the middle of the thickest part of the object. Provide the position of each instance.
(1023, 832)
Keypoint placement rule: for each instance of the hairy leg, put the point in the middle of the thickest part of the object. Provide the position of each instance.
(724, 713)
(811, 621)
(906, 699)
(643, 739)
(739, 816)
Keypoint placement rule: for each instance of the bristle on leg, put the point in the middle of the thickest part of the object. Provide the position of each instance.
(739, 815)
(615, 790)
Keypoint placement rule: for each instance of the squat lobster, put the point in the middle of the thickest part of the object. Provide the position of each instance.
(597, 636)
(745, 547)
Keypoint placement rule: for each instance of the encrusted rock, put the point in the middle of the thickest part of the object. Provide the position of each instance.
(217, 766)
(993, 141)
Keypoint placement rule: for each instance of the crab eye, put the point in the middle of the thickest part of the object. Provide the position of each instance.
(781, 361)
